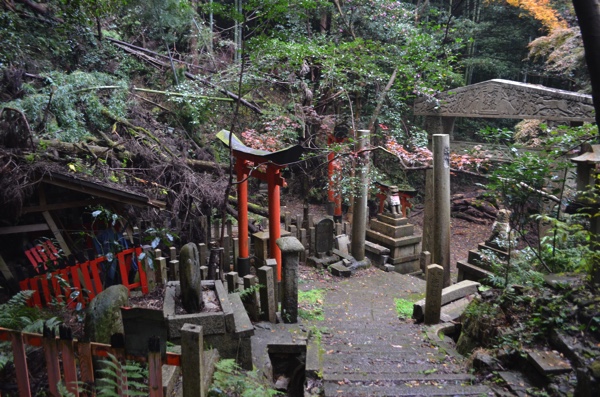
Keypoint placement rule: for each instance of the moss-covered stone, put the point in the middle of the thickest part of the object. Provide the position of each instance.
(103, 315)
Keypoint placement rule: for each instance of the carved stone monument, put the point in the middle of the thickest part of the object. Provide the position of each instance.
(323, 245)
(191, 280)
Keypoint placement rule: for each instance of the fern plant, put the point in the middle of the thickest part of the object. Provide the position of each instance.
(231, 381)
(109, 385)
(17, 315)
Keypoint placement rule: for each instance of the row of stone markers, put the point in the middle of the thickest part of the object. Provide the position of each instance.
(260, 292)
(315, 237)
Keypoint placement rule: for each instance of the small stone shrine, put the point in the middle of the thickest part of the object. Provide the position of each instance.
(392, 231)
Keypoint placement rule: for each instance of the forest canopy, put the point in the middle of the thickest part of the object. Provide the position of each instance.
(123, 90)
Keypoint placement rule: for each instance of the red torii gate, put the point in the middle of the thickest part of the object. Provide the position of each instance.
(274, 161)
(333, 195)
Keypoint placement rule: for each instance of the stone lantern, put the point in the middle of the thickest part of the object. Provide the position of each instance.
(588, 167)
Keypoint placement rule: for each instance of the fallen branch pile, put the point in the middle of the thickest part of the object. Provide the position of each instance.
(474, 207)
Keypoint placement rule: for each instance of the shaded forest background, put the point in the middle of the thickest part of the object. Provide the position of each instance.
(132, 93)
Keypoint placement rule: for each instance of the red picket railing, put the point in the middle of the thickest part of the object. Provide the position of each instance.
(74, 358)
(84, 278)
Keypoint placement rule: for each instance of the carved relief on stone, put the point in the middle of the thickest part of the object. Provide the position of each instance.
(507, 99)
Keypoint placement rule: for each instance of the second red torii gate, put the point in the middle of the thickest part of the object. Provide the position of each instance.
(274, 162)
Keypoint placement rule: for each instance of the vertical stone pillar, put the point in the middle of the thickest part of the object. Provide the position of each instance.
(267, 294)
(236, 252)
(272, 263)
(359, 215)
(192, 360)
(173, 264)
(424, 262)
(161, 270)
(303, 241)
(441, 176)
(232, 282)
(433, 294)
(312, 234)
(290, 250)
(250, 300)
(428, 213)
(202, 254)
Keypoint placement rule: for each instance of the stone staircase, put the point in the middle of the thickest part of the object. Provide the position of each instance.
(363, 349)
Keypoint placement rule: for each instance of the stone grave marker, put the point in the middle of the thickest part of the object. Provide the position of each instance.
(342, 243)
(324, 236)
(290, 250)
(190, 278)
(268, 304)
(433, 294)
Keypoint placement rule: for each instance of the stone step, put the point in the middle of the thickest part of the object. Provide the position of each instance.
(366, 340)
(449, 294)
(390, 242)
(376, 248)
(393, 220)
(375, 369)
(373, 390)
(477, 258)
(339, 270)
(400, 378)
(382, 357)
(392, 231)
(500, 253)
(384, 348)
(467, 271)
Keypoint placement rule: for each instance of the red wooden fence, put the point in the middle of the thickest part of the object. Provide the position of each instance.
(76, 360)
(83, 278)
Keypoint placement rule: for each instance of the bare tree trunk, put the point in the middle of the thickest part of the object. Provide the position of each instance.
(588, 15)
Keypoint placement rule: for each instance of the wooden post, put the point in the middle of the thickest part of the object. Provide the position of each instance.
(68, 359)
(192, 360)
(441, 176)
(86, 367)
(20, 362)
(359, 217)
(117, 341)
(52, 362)
(155, 383)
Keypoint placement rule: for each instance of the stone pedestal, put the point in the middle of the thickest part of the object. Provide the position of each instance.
(393, 231)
